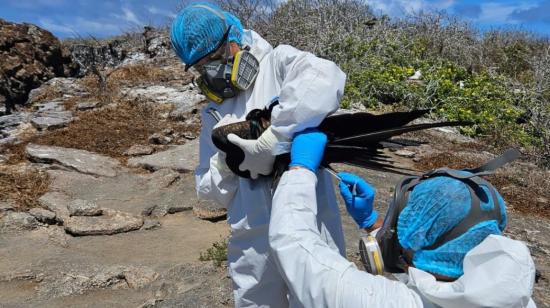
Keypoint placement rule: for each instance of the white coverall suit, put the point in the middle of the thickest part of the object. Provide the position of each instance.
(499, 272)
(309, 88)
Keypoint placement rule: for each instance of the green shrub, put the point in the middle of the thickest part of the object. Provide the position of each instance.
(217, 253)
(378, 55)
(454, 93)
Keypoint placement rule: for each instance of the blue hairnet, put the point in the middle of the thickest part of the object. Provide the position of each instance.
(436, 206)
(199, 28)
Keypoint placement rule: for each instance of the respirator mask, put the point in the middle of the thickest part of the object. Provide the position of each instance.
(381, 251)
(219, 81)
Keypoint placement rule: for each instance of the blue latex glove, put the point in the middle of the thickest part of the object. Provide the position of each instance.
(359, 198)
(307, 149)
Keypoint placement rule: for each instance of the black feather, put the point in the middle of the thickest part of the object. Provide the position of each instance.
(374, 137)
(350, 124)
(353, 138)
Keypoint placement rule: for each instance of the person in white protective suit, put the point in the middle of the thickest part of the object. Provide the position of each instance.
(307, 88)
(479, 268)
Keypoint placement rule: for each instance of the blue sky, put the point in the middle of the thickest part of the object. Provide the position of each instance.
(102, 18)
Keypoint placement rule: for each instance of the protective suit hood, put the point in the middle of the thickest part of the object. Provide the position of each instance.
(499, 272)
(258, 46)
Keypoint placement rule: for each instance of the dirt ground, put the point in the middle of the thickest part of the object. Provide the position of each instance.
(159, 266)
(67, 271)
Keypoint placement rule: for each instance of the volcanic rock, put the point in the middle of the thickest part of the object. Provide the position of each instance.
(157, 43)
(86, 106)
(60, 88)
(51, 120)
(181, 158)
(17, 221)
(111, 222)
(80, 207)
(100, 55)
(43, 215)
(79, 160)
(30, 56)
(207, 210)
(56, 202)
(8, 205)
(138, 149)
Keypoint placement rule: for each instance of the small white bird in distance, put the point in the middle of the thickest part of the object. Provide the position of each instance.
(417, 75)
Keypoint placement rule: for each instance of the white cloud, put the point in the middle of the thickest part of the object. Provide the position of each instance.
(129, 16)
(52, 26)
(494, 12)
(35, 3)
(403, 7)
(156, 11)
(443, 4)
(92, 26)
(80, 27)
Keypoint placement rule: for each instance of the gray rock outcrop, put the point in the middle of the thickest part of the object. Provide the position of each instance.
(86, 106)
(157, 42)
(7, 205)
(112, 277)
(10, 122)
(43, 215)
(107, 54)
(79, 160)
(111, 222)
(63, 87)
(181, 158)
(81, 207)
(163, 210)
(30, 56)
(138, 149)
(50, 120)
(208, 210)
(184, 99)
(56, 202)
(18, 221)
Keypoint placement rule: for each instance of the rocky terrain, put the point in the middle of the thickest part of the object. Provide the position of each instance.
(30, 56)
(97, 200)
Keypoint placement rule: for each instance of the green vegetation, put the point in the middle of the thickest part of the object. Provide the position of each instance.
(217, 253)
(500, 79)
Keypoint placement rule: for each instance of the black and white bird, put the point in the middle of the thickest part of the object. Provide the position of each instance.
(356, 139)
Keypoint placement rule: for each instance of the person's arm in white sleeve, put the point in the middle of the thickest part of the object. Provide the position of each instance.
(214, 181)
(311, 89)
(315, 274)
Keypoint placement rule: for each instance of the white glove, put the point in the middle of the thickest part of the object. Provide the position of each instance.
(258, 154)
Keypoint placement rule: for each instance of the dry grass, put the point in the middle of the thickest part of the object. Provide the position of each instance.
(526, 189)
(139, 74)
(105, 86)
(70, 103)
(47, 94)
(136, 75)
(109, 131)
(23, 187)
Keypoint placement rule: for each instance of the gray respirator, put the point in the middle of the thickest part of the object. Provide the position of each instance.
(220, 81)
(382, 251)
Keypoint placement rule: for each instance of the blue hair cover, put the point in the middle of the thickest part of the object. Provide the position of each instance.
(434, 207)
(199, 28)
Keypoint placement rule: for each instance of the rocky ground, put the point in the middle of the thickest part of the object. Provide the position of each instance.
(97, 201)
